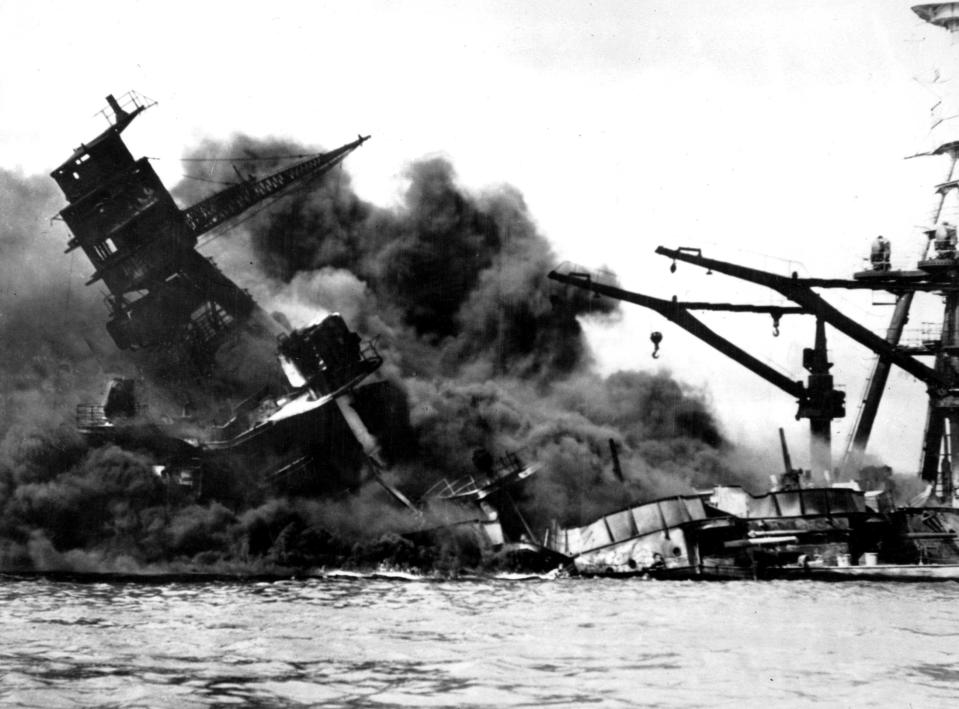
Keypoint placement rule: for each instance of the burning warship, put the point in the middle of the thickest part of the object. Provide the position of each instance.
(296, 413)
(842, 530)
(230, 398)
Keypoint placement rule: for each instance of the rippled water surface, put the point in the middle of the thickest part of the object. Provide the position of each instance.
(373, 642)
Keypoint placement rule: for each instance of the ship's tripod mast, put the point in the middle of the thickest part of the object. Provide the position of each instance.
(876, 384)
(941, 437)
(942, 425)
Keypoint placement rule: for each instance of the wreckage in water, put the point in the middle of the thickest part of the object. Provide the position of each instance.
(675, 537)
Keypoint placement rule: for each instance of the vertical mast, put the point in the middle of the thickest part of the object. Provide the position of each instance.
(945, 15)
(942, 418)
(852, 459)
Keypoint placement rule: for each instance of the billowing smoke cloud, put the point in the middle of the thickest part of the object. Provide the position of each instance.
(52, 342)
(490, 354)
(52, 330)
(451, 283)
(461, 273)
(54, 354)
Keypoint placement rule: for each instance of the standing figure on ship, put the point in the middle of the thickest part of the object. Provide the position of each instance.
(880, 254)
(945, 240)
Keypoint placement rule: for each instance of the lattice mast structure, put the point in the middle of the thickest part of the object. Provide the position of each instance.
(941, 437)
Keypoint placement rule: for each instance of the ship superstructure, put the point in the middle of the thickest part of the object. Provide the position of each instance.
(230, 401)
(223, 386)
(164, 296)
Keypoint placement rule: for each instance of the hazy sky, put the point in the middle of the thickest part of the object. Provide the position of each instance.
(768, 132)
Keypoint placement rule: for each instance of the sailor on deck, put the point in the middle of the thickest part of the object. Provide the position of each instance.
(945, 240)
(880, 253)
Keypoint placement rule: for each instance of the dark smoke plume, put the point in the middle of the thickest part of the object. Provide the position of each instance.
(455, 285)
(52, 341)
(451, 283)
(461, 274)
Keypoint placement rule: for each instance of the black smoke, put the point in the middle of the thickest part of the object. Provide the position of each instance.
(451, 283)
(460, 273)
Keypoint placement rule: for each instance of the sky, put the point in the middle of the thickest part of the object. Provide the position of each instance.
(768, 133)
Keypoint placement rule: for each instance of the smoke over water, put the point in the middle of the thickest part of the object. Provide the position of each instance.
(451, 284)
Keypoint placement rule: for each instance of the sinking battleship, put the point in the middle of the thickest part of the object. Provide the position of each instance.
(229, 398)
(844, 530)
(233, 398)
(227, 385)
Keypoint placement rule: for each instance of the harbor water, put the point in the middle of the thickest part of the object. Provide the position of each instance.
(406, 642)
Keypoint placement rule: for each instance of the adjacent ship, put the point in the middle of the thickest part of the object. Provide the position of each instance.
(847, 530)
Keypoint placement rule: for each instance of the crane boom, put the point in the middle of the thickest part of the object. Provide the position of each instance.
(801, 294)
(224, 205)
(679, 314)
(818, 401)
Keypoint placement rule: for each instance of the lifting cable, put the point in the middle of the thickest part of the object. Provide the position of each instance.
(292, 156)
(212, 182)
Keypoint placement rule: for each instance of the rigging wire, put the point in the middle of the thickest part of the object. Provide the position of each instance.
(212, 182)
(294, 156)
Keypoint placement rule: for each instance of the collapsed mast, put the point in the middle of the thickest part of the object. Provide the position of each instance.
(224, 401)
(162, 292)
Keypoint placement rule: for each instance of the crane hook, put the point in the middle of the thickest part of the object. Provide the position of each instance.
(776, 317)
(656, 338)
(672, 266)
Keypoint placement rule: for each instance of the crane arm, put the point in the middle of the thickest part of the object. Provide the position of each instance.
(900, 282)
(677, 313)
(813, 303)
(225, 205)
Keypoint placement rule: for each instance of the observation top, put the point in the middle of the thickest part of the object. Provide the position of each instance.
(943, 14)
